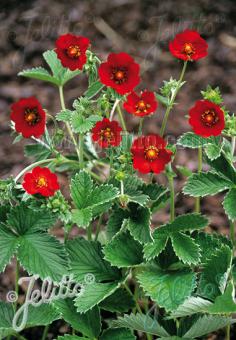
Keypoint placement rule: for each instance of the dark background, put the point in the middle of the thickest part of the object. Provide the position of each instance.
(141, 28)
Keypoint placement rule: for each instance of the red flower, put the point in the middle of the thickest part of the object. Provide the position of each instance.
(107, 133)
(141, 105)
(188, 45)
(29, 117)
(206, 118)
(71, 50)
(40, 181)
(120, 72)
(150, 154)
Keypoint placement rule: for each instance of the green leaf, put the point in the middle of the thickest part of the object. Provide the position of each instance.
(223, 167)
(37, 151)
(93, 89)
(185, 171)
(94, 293)
(90, 200)
(142, 323)
(154, 191)
(205, 183)
(187, 222)
(120, 301)
(223, 304)
(81, 124)
(192, 305)
(71, 337)
(115, 221)
(139, 224)
(207, 324)
(140, 199)
(86, 257)
(162, 99)
(8, 245)
(193, 141)
(185, 248)
(64, 115)
(167, 289)
(215, 273)
(213, 151)
(88, 324)
(22, 219)
(42, 315)
(153, 249)
(6, 315)
(123, 251)
(39, 73)
(229, 204)
(117, 334)
(47, 256)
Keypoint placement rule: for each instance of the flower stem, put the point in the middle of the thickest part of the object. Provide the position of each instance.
(172, 197)
(31, 166)
(45, 332)
(17, 273)
(197, 202)
(114, 108)
(140, 126)
(233, 144)
(81, 151)
(171, 103)
(122, 121)
(98, 227)
(89, 232)
(227, 332)
(67, 124)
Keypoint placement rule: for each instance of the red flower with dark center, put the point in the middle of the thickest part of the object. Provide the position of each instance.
(141, 105)
(40, 181)
(188, 45)
(107, 133)
(120, 72)
(71, 50)
(29, 117)
(150, 154)
(206, 118)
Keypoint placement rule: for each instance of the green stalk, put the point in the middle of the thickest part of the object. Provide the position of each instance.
(45, 332)
(135, 298)
(81, 151)
(197, 202)
(227, 332)
(232, 236)
(89, 232)
(122, 121)
(67, 124)
(169, 107)
(17, 273)
(31, 166)
(172, 197)
(140, 129)
(98, 227)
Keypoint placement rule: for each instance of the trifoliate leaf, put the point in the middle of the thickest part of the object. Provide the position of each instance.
(153, 249)
(81, 124)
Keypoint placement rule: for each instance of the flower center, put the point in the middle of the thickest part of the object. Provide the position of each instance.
(41, 182)
(107, 134)
(73, 51)
(189, 49)
(151, 153)
(209, 118)
(119, 75)
(31, 116)
(141, 106)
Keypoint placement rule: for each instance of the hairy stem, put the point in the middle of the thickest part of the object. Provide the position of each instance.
(89, 232)
(172, 197)
(227, 332)
(81, 151)
(140, 129)
(114, 108)
(122, 121)
(67, 124)
(169, 107)
(197, 201)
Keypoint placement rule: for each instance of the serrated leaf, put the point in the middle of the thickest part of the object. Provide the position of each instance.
(223, 167)
(22, 219)
(92, 294)
(88, 323)
(123, 251)
(47, 256)
(82, 217)
(120, 301)
(39, 73)
(115, 221)
(229, 204)
(185, 248)
(93, 89)
(140, 199)
(8, 245)
(42, 315)
(81, 124)
(187, 222)
(37, 151)
(117, 334)
(192, 305)
(64, 115)
(193, 141)
(215, 273)
(71, 337)
(151, 250)
(81, 189)
(139, 224)
(205, 183)
(6, 315)
(167, 289)
(142, 323)
(207, 324)
(87, 257)
(223, 304)
(213, 151)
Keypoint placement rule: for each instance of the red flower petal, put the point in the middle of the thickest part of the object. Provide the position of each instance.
(107, 133)
(140, 105)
